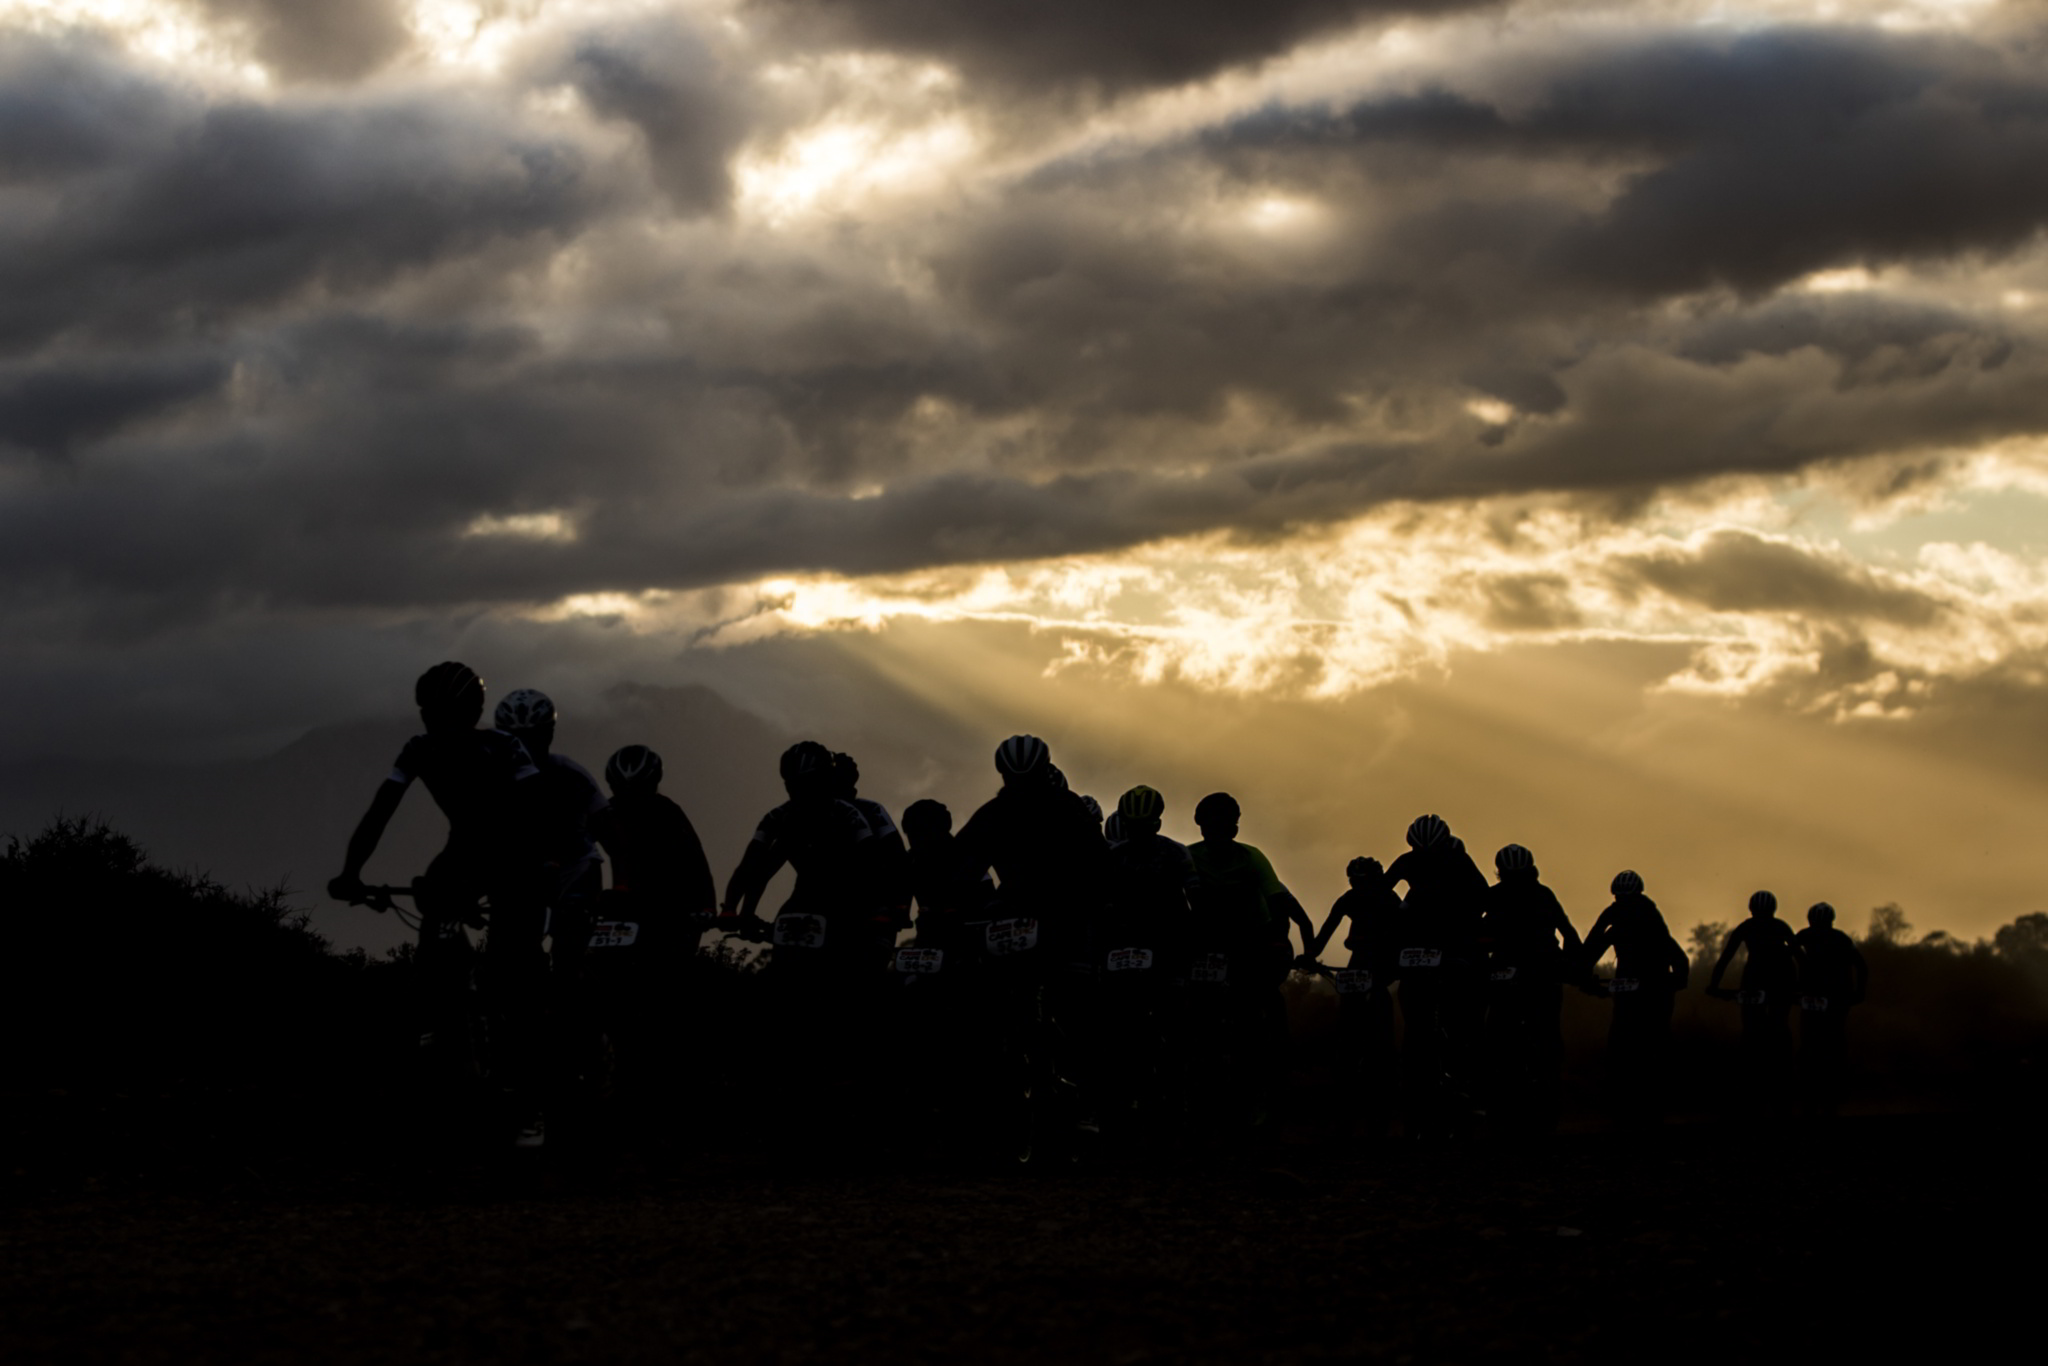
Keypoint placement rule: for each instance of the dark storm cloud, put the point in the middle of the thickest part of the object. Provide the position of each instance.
(1735, 571)
(1118, 46)
(210, 210)
(661, 77)
(47, 409)
(316, 39)
(1119, 355)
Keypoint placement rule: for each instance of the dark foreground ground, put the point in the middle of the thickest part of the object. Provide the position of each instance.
(1876, 1235)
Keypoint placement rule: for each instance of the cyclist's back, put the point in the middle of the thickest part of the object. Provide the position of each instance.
(948, 894)
(1148, 881)
(655, 854)
(1045, 848)
(1644, 950)
(1834, 966)
(471, 774)
(1525, 926)
(1446, 891)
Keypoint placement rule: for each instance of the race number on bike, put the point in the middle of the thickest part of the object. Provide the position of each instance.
(1129, 960)
(1012, 936)
(1813, 1004)
(614, 934)
(1422, 958)
(919, 960)
(1622, 986)
(1352, 981)
(800, 931)
(1213, 968)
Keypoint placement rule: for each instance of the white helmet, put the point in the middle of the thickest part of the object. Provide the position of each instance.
(525, 709)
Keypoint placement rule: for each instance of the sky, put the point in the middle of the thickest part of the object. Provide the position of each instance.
(1620, 428)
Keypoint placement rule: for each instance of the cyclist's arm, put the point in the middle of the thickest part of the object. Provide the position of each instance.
(1561, 924)
(1735, 941)
(1292, 909)
(1330, 922)
(743, 891)
(370, 829)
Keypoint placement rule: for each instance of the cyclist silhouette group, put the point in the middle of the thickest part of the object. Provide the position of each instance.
(1050, 977)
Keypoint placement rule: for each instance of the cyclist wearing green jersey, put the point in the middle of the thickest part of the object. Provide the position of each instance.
(1242, 911)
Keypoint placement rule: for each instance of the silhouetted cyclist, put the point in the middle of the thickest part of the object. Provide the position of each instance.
(1833, 978)
(1443, 992)
(817, 1034)
(949, 897)
(889, 859)
(1770, 981)
(1138, 952)
(1046, 849)
(1365, 1003)
(572, 875)
(1048, 855)
(1650, 969)
(1531, 948)
(1242, 913)
(488, 787)
(660, 902)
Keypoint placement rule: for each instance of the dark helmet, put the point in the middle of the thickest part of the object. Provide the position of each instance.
(806, 759)
(448, 686)
(1820, 913)
(1627, 882)
(1218, 808)
(927, 817)
(1094, 807)
(1513, 858)
(1763, 903)
(1113, 828)
(1363, 868)
(525, 709)
(1141, 803)
(636, 768)
(1022, 754)
(1425, 832)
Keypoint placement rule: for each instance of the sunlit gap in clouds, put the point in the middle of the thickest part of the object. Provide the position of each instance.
(1760, 584)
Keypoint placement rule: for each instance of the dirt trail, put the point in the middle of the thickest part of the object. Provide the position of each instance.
(1702, 1242)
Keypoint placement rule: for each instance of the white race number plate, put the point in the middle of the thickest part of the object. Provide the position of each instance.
(1622, 986)
(919, 960)
(1749, 998)
(1813, 1003)
(1012, 936)
(613, 934)
(1209, 967)
(1129, 960)
(1422, 958)
(800, 931)
(1352, 981)
(1504, 974)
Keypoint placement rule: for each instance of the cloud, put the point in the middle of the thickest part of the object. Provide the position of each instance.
(1135, 44)
(215, 208)
(331, 40)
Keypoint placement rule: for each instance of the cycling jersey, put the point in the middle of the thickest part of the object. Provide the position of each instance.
(1834, 967)
(1149, 880)
(471, 776)
(1523, 924)
(571, 798)
(1045, 847)
(655, 853)
(890, 870)
(825, 840)
(948, 893)
(1644, 951)
(1446, 894)
(1772, 964)
(1377, 928)
(1237, 892)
